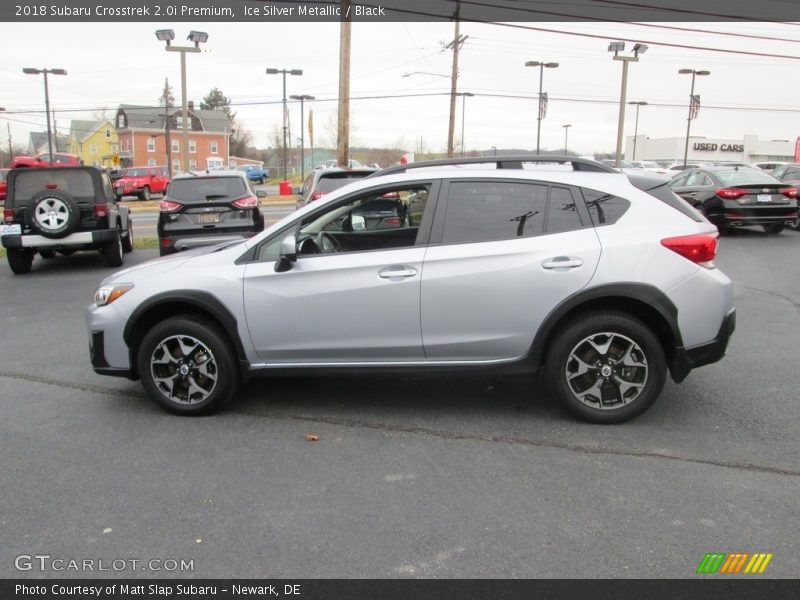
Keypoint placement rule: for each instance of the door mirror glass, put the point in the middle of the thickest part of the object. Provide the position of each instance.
(358, 222)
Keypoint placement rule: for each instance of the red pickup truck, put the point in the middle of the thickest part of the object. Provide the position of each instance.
(141, 182)
(59, 159)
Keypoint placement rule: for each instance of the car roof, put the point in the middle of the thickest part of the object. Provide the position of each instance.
(214, 173)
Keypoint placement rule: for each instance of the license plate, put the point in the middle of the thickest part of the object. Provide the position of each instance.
(209, 218)
(764, 198)
(10, 229)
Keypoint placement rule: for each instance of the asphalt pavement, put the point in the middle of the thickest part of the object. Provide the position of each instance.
(423, 476)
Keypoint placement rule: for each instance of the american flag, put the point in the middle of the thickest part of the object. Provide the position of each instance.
(694, 106)
(542, 105)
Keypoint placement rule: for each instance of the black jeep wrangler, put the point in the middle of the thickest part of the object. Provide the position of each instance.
(63, 209)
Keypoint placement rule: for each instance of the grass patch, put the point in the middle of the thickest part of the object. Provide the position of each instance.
(145, 243)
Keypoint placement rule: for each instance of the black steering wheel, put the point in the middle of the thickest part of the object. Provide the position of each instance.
(327, 244)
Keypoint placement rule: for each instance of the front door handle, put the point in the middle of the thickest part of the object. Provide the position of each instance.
(397, 271)
(562, 262)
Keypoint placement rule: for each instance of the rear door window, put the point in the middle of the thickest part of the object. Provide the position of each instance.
(503, 210)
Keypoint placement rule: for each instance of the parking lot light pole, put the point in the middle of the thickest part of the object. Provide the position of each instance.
(616, 48)
(285, 124)
(694, 73)
(542, 66)
(636, 127)
(302, 98)
(31, 71)
(566, 136)
(198, 37)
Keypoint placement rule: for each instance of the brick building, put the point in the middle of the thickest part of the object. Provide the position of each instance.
(143, 133)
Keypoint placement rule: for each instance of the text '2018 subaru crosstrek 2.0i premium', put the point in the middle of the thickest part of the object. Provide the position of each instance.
(603, 281)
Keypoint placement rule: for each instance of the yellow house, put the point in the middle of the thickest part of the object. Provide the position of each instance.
(95, 142)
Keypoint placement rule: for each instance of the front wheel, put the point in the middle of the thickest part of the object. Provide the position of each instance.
(112, 251)
(188, 366)
(606, 367)
(127, 241)
(145, 193)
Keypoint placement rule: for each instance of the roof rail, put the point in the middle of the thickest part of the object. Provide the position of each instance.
(501, 162)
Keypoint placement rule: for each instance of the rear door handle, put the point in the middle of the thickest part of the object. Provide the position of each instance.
(562, 262)
(397, 271)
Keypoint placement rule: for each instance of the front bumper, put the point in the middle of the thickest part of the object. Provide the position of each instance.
(81, 238)
(108, 352)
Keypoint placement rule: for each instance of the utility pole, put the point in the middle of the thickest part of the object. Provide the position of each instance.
(455, 45)
(343, 130)
(10, 153)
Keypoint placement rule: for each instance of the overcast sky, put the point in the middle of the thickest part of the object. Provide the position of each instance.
(113, 63)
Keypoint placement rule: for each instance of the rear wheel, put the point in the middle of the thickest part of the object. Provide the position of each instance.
(606, 367)
(188, 366)
(112, 251)
(773, 229)
(20, 260)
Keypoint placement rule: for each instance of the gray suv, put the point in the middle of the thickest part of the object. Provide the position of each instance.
(560, 265)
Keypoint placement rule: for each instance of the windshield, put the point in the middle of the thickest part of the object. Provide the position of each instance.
(134, 173)
(199, 189)
(745, 176)
(337, 180)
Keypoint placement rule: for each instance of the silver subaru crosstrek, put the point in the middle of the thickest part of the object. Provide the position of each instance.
(603, 281)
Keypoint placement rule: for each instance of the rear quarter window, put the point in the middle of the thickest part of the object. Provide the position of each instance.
(604, 209)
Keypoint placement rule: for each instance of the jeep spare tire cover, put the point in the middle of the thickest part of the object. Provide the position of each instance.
(54, 213)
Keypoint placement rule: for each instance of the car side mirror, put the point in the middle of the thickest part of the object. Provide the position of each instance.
(288, 254)
(358, 223)
(295, 191)
(261, 194)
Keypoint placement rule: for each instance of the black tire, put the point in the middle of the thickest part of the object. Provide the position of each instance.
(127, 239)
(54, 214)
(145, 193)
(47, 254)
(112, 251)
(794, 225)
(773, 229)
(20, 260)
(205, 340)
(624, 336)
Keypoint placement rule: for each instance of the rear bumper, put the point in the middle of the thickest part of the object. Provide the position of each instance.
(82, 238)
(187, 242)
(686, 359)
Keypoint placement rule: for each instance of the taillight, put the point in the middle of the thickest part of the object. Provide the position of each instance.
(8, 215)
(169, 206)
(100, 210)
(166, 242)
(789, 192)
(393, 221)
(731, 193)
(699, 249)
(246, 202)
(317, 195)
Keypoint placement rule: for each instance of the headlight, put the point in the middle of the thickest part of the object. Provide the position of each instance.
(106, 294)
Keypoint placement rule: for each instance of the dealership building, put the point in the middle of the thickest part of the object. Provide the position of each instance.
(703, 149)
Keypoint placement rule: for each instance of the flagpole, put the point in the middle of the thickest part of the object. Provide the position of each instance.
(694, 73)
